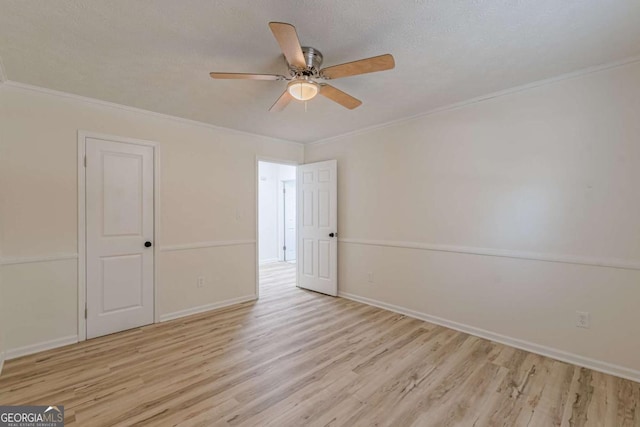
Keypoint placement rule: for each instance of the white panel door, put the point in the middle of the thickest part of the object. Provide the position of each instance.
(317, 206)
(290, 220)
(119, 222)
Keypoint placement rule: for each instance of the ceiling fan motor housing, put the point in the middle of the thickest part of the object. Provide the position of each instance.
(313, 61)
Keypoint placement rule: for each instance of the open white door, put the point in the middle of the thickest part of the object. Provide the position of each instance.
(119, 235)
(317, 207)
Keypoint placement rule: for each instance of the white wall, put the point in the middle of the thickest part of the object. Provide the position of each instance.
(285, 173)
(207, 212)
(270, 187)
(501, 216)
(268, 212)
(2, 299)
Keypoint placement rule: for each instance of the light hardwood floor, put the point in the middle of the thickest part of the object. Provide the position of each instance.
(297, 358)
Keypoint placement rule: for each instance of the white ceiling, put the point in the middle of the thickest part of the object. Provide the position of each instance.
(157, 54)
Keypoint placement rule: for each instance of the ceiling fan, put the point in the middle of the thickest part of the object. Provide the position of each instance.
(304, 71)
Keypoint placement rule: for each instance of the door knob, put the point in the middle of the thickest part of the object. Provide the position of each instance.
(147, 244)
(333, 234)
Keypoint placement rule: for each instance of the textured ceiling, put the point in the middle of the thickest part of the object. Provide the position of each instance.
(157, 54)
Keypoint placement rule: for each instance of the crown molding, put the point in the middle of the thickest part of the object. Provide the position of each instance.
(108, 104)
(450, 107)
(482, 98)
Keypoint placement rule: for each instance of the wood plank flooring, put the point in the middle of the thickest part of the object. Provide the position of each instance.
(296, 358)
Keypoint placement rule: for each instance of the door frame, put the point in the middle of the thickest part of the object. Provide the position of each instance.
(278, 161)
(82, 215)
(284, 219)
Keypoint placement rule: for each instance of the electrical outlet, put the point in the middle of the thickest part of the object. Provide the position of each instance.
(370, 277)
(583, 319)
(200, 282)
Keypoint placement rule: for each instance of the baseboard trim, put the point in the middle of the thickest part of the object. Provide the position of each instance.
(207, 307)
(72, 339)
(42, 346)
(563, 356)
(1, 361)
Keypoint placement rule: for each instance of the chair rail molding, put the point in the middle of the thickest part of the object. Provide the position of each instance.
(203, 245)
(504, 253)
(40, 258)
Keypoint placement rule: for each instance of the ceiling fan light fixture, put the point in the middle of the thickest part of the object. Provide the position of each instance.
(304, 68)
(303, 90)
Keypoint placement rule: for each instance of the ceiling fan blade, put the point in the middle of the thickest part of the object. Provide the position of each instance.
(287, 38)
(363, 66)
(282, 102)
(336, 95)
(247, 76)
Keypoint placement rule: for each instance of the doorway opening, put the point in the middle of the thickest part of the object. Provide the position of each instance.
(277, 226)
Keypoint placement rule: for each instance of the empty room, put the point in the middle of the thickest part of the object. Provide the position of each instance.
(319, 213)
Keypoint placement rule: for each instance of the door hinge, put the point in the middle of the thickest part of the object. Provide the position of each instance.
(284, 191)
(284, 248)
(85, 161)
(85, 311)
